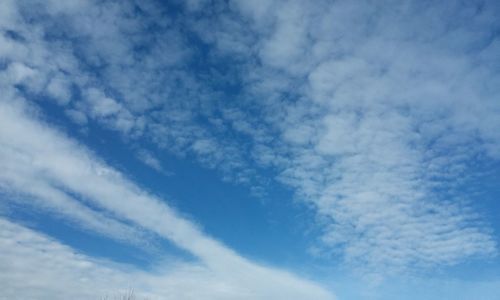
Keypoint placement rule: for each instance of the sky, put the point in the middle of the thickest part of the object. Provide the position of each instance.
(265, 149)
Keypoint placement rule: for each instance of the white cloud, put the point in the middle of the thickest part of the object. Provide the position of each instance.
(195, 5)
(37, 267)
(387, 114)
(60, 89)
(131, 79)
(56, 165)
(150, 160)
(77, 116)
(374, 106)
(8, 12)
(288, 41)
(108, 111)
(19, 72)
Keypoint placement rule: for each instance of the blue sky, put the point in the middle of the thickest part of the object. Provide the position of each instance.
(249, 149)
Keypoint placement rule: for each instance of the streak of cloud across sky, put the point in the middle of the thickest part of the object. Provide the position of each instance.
(233, 149)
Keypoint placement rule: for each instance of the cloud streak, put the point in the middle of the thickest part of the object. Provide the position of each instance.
(55, 165)
(37, 267)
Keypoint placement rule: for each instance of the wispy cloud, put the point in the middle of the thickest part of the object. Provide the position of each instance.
(150, 160)
(37, 267)
(56, 165)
